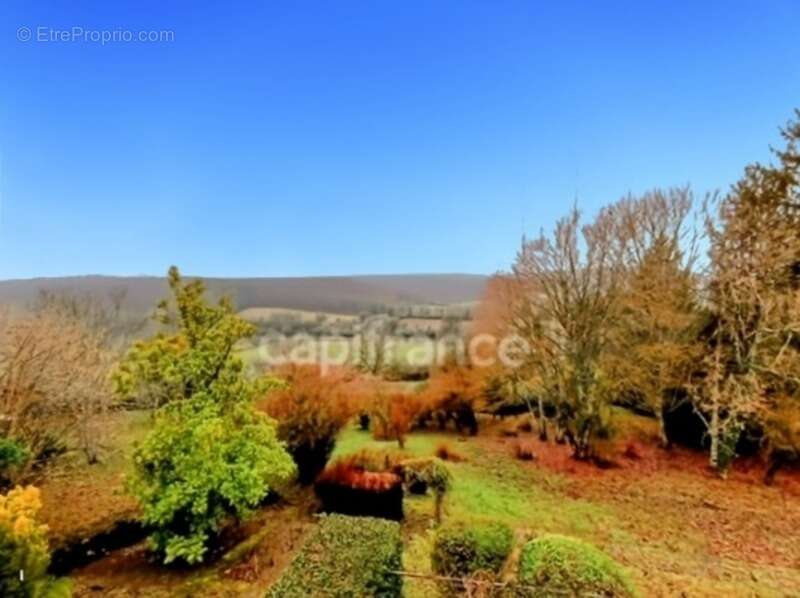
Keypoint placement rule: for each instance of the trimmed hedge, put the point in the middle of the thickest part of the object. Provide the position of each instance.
(346, 556)
(461, 549)
(554, 565)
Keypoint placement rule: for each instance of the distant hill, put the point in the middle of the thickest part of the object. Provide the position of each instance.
(337, 294)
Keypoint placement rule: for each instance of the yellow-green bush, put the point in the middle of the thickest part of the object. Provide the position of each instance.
(554, 565)
(463, 549)
(209, 456)
(24, 554)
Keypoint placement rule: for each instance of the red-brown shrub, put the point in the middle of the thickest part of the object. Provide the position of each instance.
(348, 488)
(525, 426)
(310, 412)
(632, 451)
(374, 460)
(509, 431)
(344, 473)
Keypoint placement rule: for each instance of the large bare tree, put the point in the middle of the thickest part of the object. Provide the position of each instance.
(54, 366)
(570, 283)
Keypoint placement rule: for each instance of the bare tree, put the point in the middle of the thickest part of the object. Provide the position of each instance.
(655, 341)
(53, 381)
(571, 282)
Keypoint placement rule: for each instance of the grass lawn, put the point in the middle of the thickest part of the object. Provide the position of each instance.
(677, 529)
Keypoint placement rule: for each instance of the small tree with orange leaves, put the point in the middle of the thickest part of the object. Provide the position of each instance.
(394, 416)
(454, 392)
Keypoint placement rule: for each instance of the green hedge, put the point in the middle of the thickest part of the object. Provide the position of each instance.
(462, 549)
(346, 556)
(553, 565)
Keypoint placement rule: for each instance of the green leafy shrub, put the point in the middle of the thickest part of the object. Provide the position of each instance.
(344, 557)
(210, 455)
(23, 547)
(553, 565)
(464, 549)
(12, 455)
(201, 463)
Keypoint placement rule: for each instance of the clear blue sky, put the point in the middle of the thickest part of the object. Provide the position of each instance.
(294, 138)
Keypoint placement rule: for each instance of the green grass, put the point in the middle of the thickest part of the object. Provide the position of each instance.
(417, 445)
(503, 489)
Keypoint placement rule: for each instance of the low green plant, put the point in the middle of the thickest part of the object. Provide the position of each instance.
(463, 549)
(555, 565)
(346, 557)
(12, 455)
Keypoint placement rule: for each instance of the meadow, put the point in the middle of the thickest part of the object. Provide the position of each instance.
(678, 529)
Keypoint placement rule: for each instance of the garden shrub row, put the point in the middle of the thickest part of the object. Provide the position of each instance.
(549, 565)
(346, 556)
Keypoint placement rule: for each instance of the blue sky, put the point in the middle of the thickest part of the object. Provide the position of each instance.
(348, 137)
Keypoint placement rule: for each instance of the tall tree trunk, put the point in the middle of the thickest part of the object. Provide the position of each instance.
(662, 429)
(714, 432)
(542, 420)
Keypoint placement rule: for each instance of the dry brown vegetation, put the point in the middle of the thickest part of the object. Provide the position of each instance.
(54, 367)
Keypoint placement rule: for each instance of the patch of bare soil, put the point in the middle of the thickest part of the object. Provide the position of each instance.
(78, 509)
(248, 560)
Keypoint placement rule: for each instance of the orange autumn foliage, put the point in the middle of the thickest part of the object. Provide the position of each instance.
(346, 473)
(311, 410)
(394, 416)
